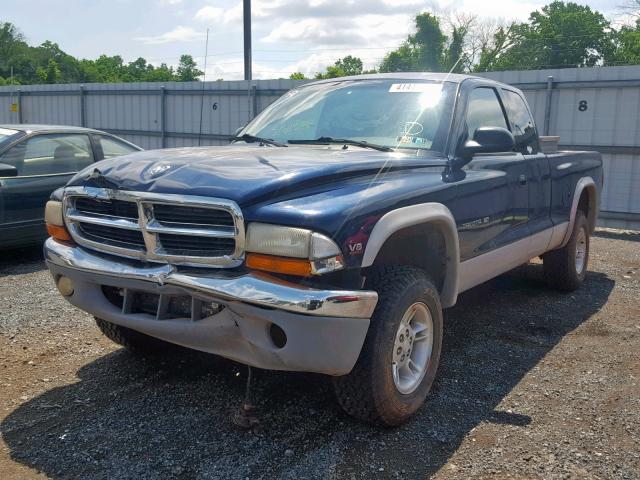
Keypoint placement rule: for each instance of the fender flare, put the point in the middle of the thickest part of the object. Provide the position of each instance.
(434, 213)
(585, 183)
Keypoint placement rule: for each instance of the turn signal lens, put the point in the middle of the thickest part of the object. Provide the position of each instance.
(59, 233)
(55, 222)
(287, 266)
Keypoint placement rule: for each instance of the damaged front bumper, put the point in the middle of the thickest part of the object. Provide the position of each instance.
(319, 330)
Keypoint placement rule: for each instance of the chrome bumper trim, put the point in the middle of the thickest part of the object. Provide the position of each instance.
(251, 288)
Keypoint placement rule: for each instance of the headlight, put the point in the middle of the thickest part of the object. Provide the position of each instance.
(54, 221)
(291, 250)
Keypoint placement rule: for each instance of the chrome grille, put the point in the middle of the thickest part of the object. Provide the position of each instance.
(176, 229)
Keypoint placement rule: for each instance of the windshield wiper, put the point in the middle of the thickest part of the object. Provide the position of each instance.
(344, 141)
(252, 139)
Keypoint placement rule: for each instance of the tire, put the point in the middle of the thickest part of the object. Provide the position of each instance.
(566, 268)
(134, 341)
(370, 392)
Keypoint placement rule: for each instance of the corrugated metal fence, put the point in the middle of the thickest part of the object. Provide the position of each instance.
(595, 108)
(151, 115)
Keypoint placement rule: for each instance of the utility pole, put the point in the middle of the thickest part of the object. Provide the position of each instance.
(247, 38)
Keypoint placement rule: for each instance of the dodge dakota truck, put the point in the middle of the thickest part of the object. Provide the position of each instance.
(330, 234)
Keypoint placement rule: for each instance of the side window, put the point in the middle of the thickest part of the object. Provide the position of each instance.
(114, 148)
(524, 129)
(484, 110)
(50, 154)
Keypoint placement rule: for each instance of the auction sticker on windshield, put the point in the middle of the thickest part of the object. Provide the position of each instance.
(414, 87)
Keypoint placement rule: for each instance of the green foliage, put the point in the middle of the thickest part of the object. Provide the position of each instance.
(627, 45)
(429, 43)
(48, 63)
(188, 69)
(51, 74)
(401, 60)
(501, 41)
(297, 76)
(454, 56)
(561, 35)
(428, 49)
(344, 67)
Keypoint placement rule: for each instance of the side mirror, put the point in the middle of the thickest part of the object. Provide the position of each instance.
(8, 170)
(485, 140)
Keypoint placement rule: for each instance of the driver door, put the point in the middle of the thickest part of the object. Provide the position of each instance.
(492, 202)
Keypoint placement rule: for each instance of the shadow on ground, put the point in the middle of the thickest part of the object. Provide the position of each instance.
(21, 260)
(631, 236)
(132, 418)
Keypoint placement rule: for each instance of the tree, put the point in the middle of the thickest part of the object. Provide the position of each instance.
(163, 73)
(68, 66)
(350, 65)
(8, 81)
(297, 76)
(402, 59)
(626, 46)
(429, 42)
(491, 45)
(424, 50)
(454, 56)
(631, 7)
(12, 48)
(343, 67)
(51, 74)
(137, 70)
(560, 35)
(187, 70)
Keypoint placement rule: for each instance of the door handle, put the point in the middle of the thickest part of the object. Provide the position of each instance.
(522, 179)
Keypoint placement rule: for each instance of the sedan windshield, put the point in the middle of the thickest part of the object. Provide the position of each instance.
(6, 134)
(386, 113)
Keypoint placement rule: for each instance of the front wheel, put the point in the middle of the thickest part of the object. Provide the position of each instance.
(400, 355)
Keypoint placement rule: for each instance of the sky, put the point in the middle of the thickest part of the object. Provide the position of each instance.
(288, 35)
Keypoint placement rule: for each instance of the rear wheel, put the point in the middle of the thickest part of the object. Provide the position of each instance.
(566, 268)
(134, 341)
(400, 356)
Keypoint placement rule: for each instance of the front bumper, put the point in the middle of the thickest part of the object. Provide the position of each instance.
(324, 329)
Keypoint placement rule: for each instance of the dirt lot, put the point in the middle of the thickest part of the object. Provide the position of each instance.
(533, 384)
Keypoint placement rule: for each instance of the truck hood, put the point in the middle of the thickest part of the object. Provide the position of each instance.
(246, 174)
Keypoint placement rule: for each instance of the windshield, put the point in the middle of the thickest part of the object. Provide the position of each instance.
(6, 134)
(390, 113)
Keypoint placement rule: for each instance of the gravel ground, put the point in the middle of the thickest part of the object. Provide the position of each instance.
(533, 384)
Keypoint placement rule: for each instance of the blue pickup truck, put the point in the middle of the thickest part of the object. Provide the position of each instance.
(332, 232)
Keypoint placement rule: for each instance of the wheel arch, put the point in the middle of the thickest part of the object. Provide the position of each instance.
(428, 224)
(585, 198)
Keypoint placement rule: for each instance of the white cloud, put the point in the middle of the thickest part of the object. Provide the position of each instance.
(170, 2)
(178, 34)
(232, 69)
(367, 31)
(307, 36)
(210, 13)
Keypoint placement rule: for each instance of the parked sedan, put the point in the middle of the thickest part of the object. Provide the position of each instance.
(34, 161)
